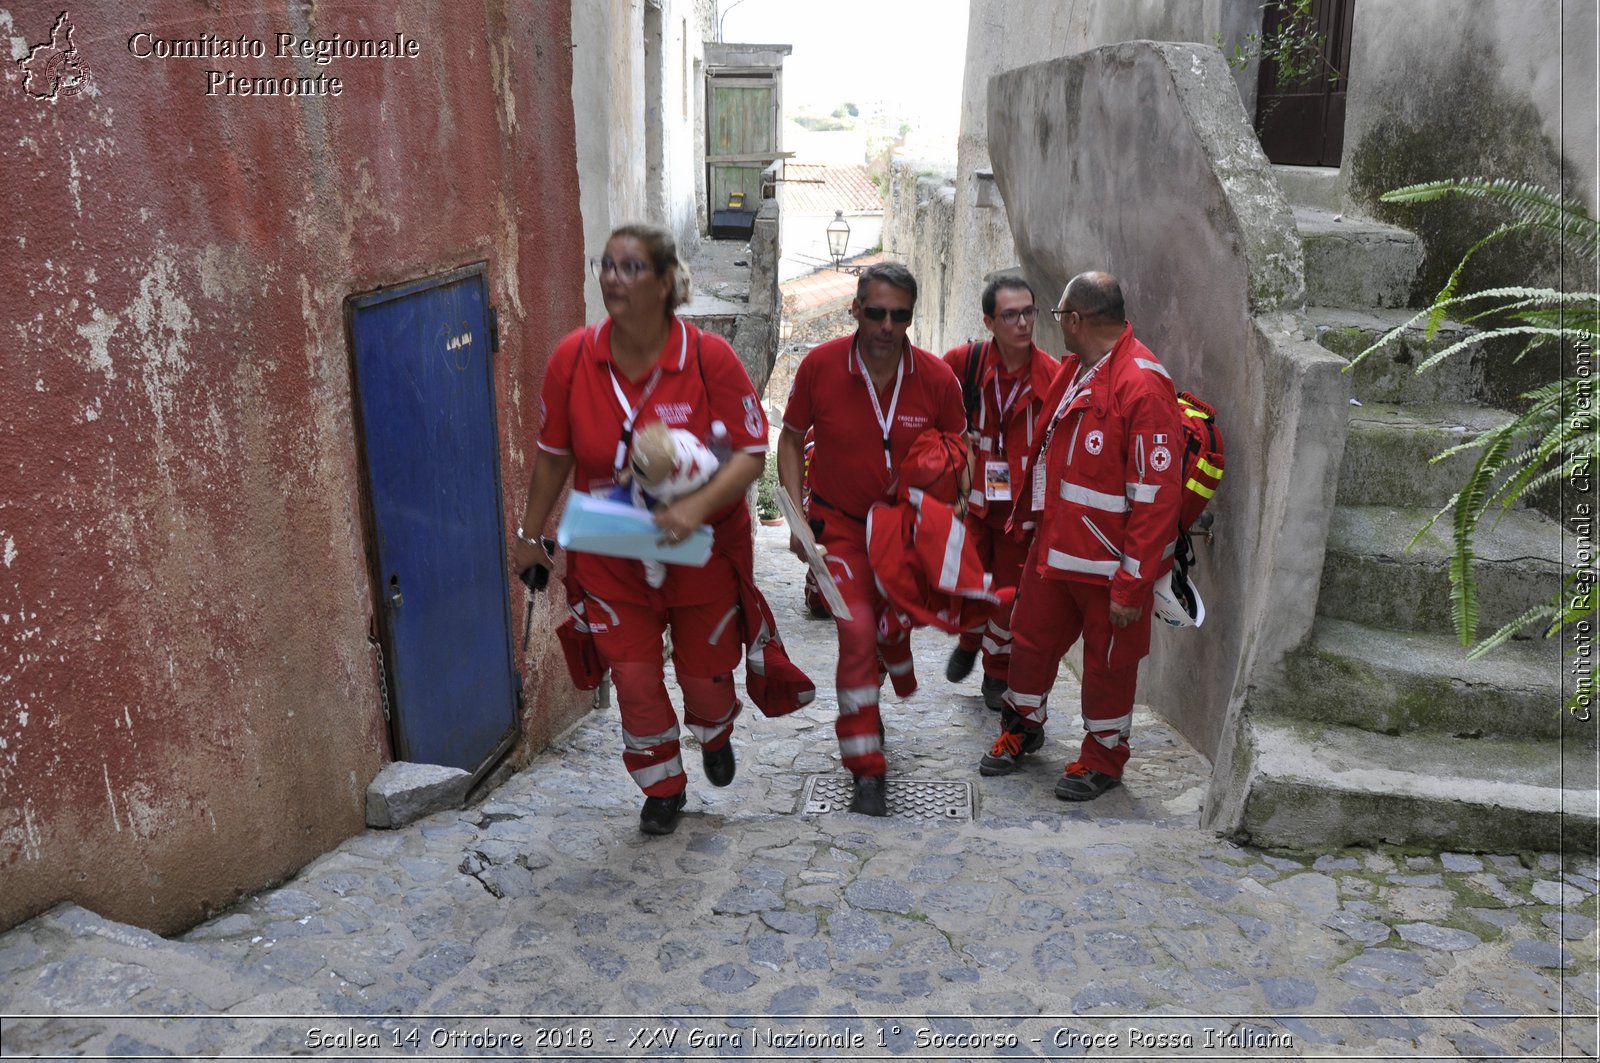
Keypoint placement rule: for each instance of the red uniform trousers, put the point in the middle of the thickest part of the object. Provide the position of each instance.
(706, 648)
(1049, 616)
(1002, 558)
(857, 676)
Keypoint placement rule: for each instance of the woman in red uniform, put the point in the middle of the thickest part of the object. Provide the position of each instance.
(603, 383)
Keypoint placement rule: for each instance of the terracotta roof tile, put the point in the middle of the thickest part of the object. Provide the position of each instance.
(824, 286)
(846, 188)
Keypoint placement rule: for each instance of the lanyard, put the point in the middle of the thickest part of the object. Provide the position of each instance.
(630, 415)
(884, 423)
(1004, 408)
(1078, 387)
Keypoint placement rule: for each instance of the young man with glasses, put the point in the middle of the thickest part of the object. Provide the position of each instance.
(1105, 491)
(1003, 383)
(868, 395)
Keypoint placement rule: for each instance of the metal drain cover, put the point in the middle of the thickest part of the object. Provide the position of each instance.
(917, 799)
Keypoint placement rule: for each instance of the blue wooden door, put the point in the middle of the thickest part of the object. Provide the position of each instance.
(426, 407)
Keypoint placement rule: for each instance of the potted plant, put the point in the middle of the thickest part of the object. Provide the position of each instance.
(767, 495)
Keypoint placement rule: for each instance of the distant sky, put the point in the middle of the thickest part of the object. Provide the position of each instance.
(906, 55)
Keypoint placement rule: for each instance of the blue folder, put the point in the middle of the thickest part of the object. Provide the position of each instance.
(599, 526)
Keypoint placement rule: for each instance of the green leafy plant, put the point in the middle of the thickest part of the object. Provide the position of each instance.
(767, 491)
(1553, 439)
(1294, 46)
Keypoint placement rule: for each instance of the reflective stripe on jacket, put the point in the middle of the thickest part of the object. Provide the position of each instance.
(1112, 477)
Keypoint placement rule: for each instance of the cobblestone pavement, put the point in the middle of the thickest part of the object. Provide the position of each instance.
(1036, 929)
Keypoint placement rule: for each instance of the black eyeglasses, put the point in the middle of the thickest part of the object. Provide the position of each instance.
(1026, 313)
(1059, 312)
(875, 313)
(629, 269)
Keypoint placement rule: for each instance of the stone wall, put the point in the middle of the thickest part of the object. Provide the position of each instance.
(1187, 214)
(922, 222)
(1472, 88)
(1003, 35)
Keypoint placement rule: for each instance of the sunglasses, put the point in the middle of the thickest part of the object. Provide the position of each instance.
(876, 313)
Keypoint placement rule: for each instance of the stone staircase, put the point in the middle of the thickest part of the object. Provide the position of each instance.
(1381, 730)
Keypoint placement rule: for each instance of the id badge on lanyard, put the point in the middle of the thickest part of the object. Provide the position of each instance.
(997, 481)
(997, 474)
(1067, 400)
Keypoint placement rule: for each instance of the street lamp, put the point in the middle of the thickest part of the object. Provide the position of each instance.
(838, 238)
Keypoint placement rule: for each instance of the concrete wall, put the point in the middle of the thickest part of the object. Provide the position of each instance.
(1187, 213)
(190, 706)
(688, 25)
(1006, 34)
(609, 102)
(1461, 88)
(639, 100)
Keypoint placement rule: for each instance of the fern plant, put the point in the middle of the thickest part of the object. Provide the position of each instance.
(1552, 440)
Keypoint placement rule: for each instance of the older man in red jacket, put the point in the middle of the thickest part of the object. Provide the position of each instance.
(1104, 489)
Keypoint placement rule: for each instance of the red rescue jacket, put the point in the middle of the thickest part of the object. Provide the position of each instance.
(1019, 436)
(1108, 495)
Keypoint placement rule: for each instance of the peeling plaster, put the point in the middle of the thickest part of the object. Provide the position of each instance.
(162, 320)
(20, 48)
(143, 810)
(98, 332)
(31, 838)
(111, 797)
(10, 551)
(74, 179)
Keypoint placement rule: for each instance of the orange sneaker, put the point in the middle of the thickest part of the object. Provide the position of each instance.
(1010, 748)
(1079, 783)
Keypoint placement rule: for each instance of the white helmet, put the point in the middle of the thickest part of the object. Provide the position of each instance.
(1178, 602)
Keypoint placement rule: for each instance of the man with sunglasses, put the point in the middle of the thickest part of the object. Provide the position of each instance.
(868, 395)
(1003, 384)
(1104, 489)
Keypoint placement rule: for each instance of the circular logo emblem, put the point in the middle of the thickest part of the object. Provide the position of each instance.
(1094, 441)
(1160, 458)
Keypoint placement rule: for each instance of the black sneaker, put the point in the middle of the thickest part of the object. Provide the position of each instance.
(1008, 751)
(869, 799)
(1079, 783)
(660, 814)
(960, 664)
(720, 764)
(994, 692)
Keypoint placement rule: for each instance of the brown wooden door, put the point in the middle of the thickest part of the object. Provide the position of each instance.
(1303, 124)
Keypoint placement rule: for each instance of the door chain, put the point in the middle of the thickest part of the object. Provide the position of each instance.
(383, 673)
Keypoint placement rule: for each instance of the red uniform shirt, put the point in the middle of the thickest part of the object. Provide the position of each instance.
(1008, 417)
(850, 466)
(697, 380)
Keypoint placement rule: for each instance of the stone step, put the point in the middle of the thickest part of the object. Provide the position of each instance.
(1388, 453)
(1394, 682)
(1317, 785)
(1390, 375)
(1310, 186)
(1370, 577)
(1352, 262)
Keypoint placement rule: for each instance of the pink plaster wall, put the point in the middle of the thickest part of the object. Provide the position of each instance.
(188, 705)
